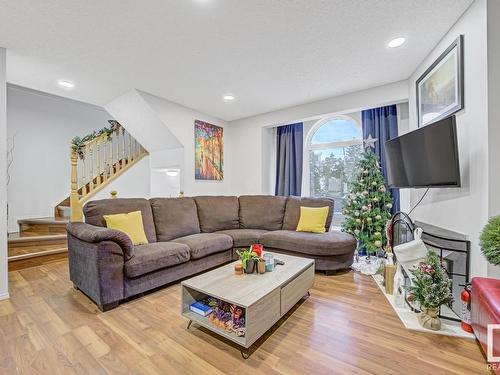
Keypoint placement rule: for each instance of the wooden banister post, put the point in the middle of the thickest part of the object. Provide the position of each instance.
(124, 149)
(129, 149)
(117, 141)
(76, 206)
(98, 149)
(91, 167)
(105, 157)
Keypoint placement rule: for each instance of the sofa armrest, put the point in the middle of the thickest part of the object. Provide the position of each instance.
(93, 234)
(97, 270)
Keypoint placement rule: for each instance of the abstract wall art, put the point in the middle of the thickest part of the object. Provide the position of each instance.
(209, 151)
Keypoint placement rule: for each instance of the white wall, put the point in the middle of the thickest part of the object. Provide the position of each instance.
(180, 122)
(4, 288)
(493, 115)
(43, 126)
(464, 210)
(251, 161)
(133, 183)
(137, 116)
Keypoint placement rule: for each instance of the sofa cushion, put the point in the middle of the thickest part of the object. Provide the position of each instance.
(244, 237)
(261, 212)
(313, 219)
(203, 244)
(129, 223)
(154, 256)
(292, 211)
(94, 211)
(174, 217)
(217, 213)
(318, 244)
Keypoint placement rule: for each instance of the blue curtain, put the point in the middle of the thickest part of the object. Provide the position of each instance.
(382, 124)
(289, 151)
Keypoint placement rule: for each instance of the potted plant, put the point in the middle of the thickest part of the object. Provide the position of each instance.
(248, 259)
(490, 241)
(431, 289)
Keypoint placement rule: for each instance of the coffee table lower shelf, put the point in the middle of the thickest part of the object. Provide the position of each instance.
(262, 313)
(203, 321)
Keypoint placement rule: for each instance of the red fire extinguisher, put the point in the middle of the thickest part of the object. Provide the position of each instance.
(465, 298)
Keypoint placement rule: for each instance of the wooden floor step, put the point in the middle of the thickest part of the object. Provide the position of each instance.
(30, 251)
(36, 260)
(42, 226)
(17, 240)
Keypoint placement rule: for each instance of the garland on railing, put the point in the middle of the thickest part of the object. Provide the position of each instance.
(78, 144)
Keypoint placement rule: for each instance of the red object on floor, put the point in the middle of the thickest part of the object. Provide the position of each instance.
(465, 298)
(485, 310)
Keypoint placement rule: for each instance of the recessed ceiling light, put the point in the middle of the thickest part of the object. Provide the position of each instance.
(396, 42)
(66, 84)
(228, 97)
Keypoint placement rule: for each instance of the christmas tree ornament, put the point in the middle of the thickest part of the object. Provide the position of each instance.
(378, 217)
(370, 142)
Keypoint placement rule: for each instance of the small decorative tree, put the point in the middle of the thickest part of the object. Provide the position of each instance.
(490, 241)
(431, 289)
(368, 206)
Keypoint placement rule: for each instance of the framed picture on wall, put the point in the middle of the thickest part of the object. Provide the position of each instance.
(440, 90)
(209, 154)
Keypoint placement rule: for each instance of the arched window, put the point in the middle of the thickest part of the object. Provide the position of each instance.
(334, 146)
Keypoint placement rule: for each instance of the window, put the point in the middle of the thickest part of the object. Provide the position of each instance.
(334, 147)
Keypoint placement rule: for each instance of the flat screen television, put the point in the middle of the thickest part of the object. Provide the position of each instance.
(426, 157)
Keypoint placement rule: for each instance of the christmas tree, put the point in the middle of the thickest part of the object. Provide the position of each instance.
(368, 206)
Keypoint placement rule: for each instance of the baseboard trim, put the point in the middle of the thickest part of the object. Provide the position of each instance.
(4, 296)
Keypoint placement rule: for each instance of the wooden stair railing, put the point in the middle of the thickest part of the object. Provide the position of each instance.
(104, 159)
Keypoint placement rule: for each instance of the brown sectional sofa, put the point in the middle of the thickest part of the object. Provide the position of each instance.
(190, 235)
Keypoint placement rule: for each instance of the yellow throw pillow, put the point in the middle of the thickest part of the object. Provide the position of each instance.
(130, 224)
(313, 219)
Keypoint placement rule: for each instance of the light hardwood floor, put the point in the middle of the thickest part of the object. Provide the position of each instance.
(344, 327)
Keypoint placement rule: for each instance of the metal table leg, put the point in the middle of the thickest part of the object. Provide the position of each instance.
(245, 353)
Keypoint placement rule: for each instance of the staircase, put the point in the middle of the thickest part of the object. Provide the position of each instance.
(94, 165)
(99, 162)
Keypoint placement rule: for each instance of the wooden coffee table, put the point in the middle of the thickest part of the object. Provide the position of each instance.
(266, 298)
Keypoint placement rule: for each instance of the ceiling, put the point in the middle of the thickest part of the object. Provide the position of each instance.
(270, 54)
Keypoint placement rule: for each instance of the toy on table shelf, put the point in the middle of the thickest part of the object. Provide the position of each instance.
(227, 316)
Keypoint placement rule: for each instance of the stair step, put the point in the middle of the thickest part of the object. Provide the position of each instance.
(63, 212)
(42, 226)
(30, 251)
(35, 260)
(18, 238)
